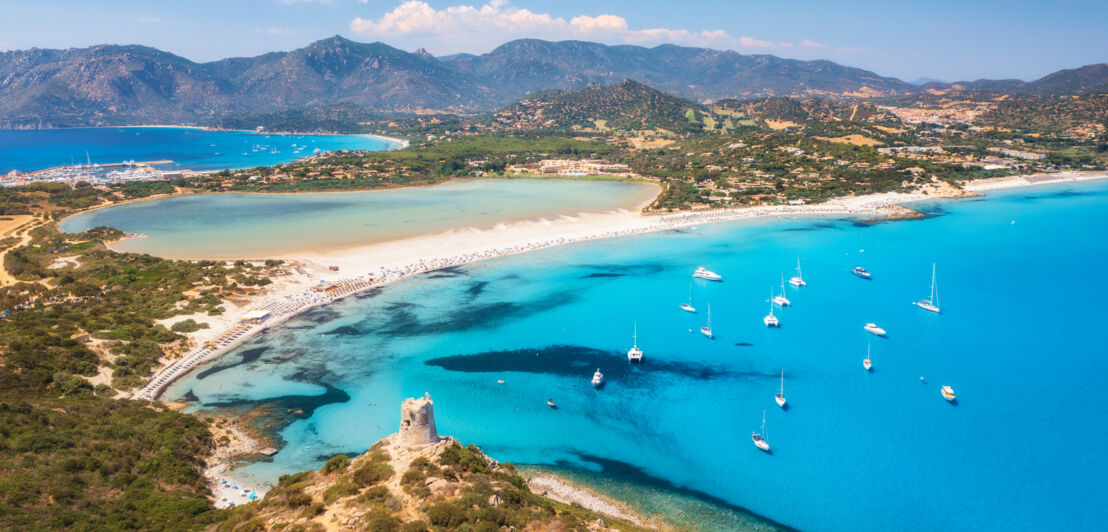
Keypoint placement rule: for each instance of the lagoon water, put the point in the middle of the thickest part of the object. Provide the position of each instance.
(188, 148)
(1021, 339)
(269, 225)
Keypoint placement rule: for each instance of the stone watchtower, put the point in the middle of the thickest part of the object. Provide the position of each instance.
(417, 422)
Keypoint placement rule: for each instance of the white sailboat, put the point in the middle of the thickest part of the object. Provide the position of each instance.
(687, 307)
(707, 329)
(781, 300)
(866, 363)
(780, 397)
(759, 438)
(797, 279)
(770, 320)
(635, 354)
(930, 304)
(597, 379)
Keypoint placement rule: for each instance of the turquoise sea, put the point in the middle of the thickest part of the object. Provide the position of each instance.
(188, 148)
(1021, 339)
(270, 225)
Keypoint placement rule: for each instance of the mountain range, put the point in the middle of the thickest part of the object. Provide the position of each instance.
(115, 84)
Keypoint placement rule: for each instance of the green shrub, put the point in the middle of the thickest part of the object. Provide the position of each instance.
(376, 494)
(336, 463)
(313, 510)
(339, 490)
(383, 523)
(446, 514)
(372, 473)
(298, 499)
(187, 326)
(414, 526)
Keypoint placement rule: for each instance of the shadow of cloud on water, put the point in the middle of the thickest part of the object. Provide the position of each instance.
(575, 361)
(449, 272)
(404, 323)
(245, 357)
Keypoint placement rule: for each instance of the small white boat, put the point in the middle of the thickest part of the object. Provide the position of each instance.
(781, 300)
(780, 397)
(635, 354)
(861, 272)
(707, 329)
(797, 280)
(874, 329)
(550, 403)
(866, 363)
(687, 307)
(948, 393)
(759, 438)
(706, 274)
(597, 379)
(770, 320)
(930, 304)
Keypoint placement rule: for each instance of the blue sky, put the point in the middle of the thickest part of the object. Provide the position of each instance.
(952, 40)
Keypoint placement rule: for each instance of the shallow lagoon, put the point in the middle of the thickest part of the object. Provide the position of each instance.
(1020, 339)
(266, 225)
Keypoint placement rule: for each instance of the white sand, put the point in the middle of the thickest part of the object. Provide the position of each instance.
(982, 185)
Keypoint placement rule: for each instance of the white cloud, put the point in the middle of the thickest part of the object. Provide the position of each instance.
(148, 20)
(470, 28)
(4, 47)
(812, 44)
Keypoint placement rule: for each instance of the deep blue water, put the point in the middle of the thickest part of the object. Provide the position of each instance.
(190, 149)
(1021, 339)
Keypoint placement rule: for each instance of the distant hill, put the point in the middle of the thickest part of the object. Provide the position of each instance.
(1089, 79)
(138, 84)
(628, 105)
(527, 65)
(110, 85)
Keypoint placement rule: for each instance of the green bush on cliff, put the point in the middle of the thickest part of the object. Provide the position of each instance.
(337, 463)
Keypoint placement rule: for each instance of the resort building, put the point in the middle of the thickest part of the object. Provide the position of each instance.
(569, 167)
(255, 316)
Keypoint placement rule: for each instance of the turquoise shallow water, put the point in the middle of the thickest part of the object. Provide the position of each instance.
(188, 148)
(1021, 339)
(268, 225)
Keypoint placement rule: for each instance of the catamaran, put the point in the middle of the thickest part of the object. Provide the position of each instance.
(948, 393)
(797, 280)
(759, 438)
(770, 320)
(781, 299)
(597, 379)
(706, 274)
(635, 354)
(874, 329)
(687, 307)
(930, 304)
(861, 272)
(707, 329)
(780, 397)
(866, 363)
